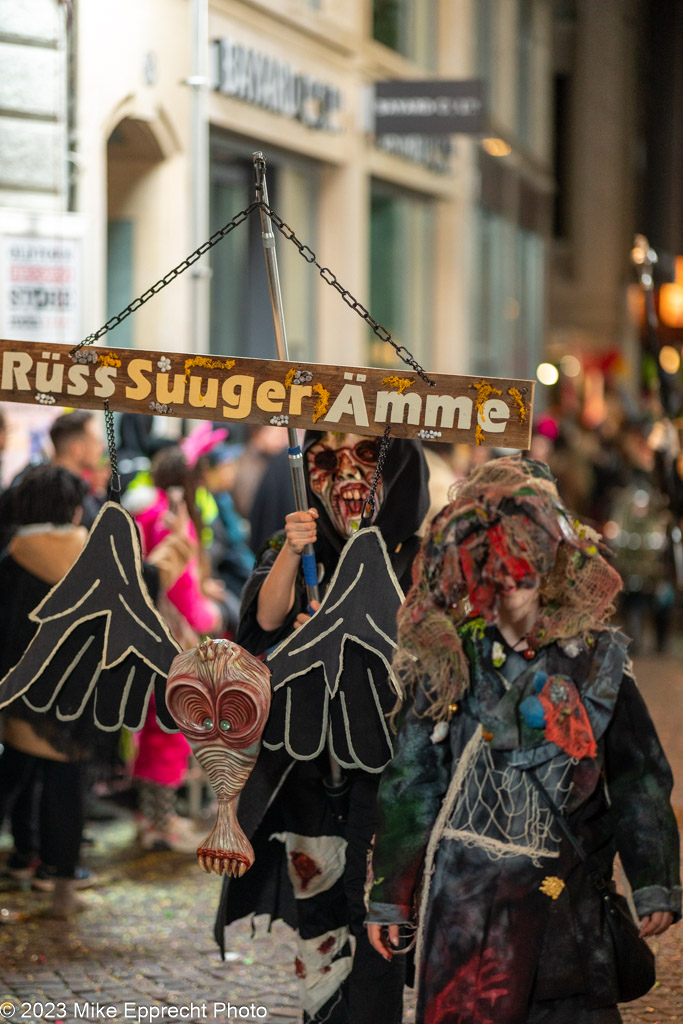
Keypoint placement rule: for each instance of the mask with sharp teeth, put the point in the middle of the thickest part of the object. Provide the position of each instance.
(341, 469)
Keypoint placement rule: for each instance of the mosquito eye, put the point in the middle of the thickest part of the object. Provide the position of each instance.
(224, 725)
(207, 724)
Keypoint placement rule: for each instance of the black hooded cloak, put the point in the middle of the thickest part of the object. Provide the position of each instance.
(277, 777)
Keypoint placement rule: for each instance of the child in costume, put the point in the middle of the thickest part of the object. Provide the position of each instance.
(511, 675)
(310, 867)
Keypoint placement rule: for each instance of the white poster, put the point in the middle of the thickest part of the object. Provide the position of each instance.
(41, 288)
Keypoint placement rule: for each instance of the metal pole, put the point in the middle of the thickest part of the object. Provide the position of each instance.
(296, 459)
(199, 83)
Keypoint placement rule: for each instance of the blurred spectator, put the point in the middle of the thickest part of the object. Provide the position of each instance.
(442, 475)
(263, 445)
(160, 766)
(42, 754)
(543, 437)
(639, 531)
(273, 501)
(231, 557)
(79, 447)
(3, 440)
(137, 445)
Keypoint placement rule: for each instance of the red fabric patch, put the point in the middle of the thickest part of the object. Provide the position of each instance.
(479, 981)
(327, 945)
(566, 720)
(300, 968)
(485, 558)
(305, 867)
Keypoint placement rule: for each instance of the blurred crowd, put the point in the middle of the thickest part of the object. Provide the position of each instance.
(622, 475)
(205, 505)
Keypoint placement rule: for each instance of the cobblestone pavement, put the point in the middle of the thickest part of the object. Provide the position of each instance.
(143, 945)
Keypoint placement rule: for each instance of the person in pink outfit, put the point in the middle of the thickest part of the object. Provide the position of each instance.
(161, 763)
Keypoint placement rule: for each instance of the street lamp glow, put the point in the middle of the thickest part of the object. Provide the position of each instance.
(547, 373)
(669, 359)
(570, 366)
(496, 147)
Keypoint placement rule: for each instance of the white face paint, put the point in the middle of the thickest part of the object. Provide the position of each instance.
(341, 468)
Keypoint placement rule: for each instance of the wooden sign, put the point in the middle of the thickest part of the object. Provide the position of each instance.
(470, 410)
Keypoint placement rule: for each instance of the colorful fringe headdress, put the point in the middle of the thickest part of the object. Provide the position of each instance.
(506, 519)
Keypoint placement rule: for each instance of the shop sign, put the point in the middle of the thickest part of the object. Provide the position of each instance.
(471, 410)
(430, 107)
(430, 151)
(247, 74)
(40, 290)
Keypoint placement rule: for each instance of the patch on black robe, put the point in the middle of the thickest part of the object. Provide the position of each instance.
(334, 673)
(101, 646)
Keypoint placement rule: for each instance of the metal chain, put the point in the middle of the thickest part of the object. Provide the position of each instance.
(133, 306)
(353, 303)
(328, 277)
(115, 479)
(369, 509)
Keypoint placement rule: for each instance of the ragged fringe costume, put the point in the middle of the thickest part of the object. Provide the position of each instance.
(309, 869)
(507, 927)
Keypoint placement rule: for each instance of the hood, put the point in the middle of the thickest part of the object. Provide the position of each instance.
(48, 555)
(405, 501)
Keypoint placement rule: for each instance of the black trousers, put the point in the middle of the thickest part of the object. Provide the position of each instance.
(372, 993)
(58, 790)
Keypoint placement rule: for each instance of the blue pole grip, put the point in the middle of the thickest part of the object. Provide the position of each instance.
(310, 568)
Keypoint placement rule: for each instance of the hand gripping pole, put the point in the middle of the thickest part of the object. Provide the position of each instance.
(296, 459)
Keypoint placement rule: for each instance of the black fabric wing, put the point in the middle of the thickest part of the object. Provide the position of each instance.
(101, 646)
(333, 674)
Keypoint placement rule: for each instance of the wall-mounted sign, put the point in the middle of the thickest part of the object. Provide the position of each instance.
(40, 290)
(431, 151)
(471, 410)
(247, 74)
(430, 108)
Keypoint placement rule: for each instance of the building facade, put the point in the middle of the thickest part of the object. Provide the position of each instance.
(162, 104)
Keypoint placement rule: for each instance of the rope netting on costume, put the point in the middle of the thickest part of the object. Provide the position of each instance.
(498, 809)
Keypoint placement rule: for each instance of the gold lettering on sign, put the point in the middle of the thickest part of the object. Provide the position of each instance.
(296, 395)
(143, 387)
(209, 399)
(270, 395)
(237, 392)
(15, 369)
(105, 377)
(49, 381)
(78, 380)
(167, 396)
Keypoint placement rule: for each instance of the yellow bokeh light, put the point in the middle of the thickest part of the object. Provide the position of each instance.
(547, 373)
(669, 359)
(496, 147)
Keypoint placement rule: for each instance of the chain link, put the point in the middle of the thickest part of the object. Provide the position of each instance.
(115, 479)
(133, 306)
(369, 508)
(328, 277)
